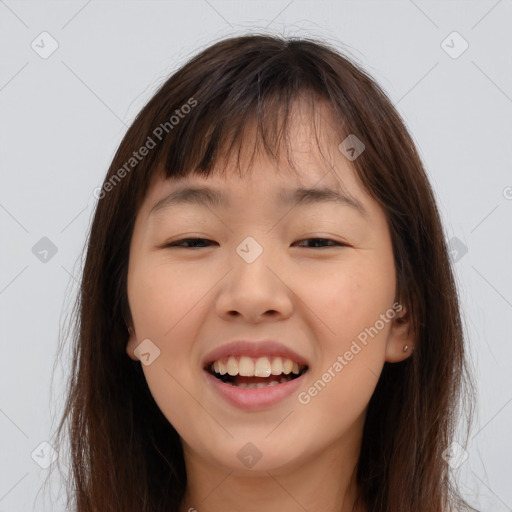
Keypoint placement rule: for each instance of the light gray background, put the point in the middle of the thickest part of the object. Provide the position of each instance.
(62, 118)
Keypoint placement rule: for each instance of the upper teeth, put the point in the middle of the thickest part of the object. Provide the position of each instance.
(255, 367)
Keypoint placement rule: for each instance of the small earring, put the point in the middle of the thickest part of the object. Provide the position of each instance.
(406, 348)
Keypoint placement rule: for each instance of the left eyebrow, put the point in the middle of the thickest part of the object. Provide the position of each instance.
(215, 198)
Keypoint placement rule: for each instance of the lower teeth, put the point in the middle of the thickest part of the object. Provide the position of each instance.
(258, 385)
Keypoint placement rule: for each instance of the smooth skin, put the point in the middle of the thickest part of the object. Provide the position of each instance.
(313, 297)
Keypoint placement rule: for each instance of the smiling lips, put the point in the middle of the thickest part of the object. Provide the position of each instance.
(255, 365)
(252, 367)
(254, 349)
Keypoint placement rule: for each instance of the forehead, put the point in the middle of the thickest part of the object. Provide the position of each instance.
(309, 157)
(263, 182)
(229, 195)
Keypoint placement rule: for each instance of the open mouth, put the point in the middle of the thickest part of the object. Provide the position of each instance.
(253, 373)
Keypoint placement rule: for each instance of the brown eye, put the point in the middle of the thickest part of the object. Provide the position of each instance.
(321, 240)
(198, 243)
(193, 241)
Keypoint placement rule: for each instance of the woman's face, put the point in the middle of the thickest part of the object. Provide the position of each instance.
(257, 276)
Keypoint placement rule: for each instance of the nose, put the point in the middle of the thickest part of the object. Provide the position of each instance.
(255, 290)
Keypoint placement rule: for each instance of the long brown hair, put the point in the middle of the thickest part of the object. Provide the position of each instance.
(125, 455)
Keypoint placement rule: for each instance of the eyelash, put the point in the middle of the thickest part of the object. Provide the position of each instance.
(175, 244)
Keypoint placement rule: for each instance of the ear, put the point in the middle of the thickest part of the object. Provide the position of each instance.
(401, 339)
(131, 345)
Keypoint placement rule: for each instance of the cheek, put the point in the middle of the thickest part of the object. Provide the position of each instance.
(351, 356)
(160, 295)
(351, 299)
(162, 303)
(349, 304)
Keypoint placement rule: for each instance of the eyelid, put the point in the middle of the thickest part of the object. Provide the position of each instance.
(335, 243)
